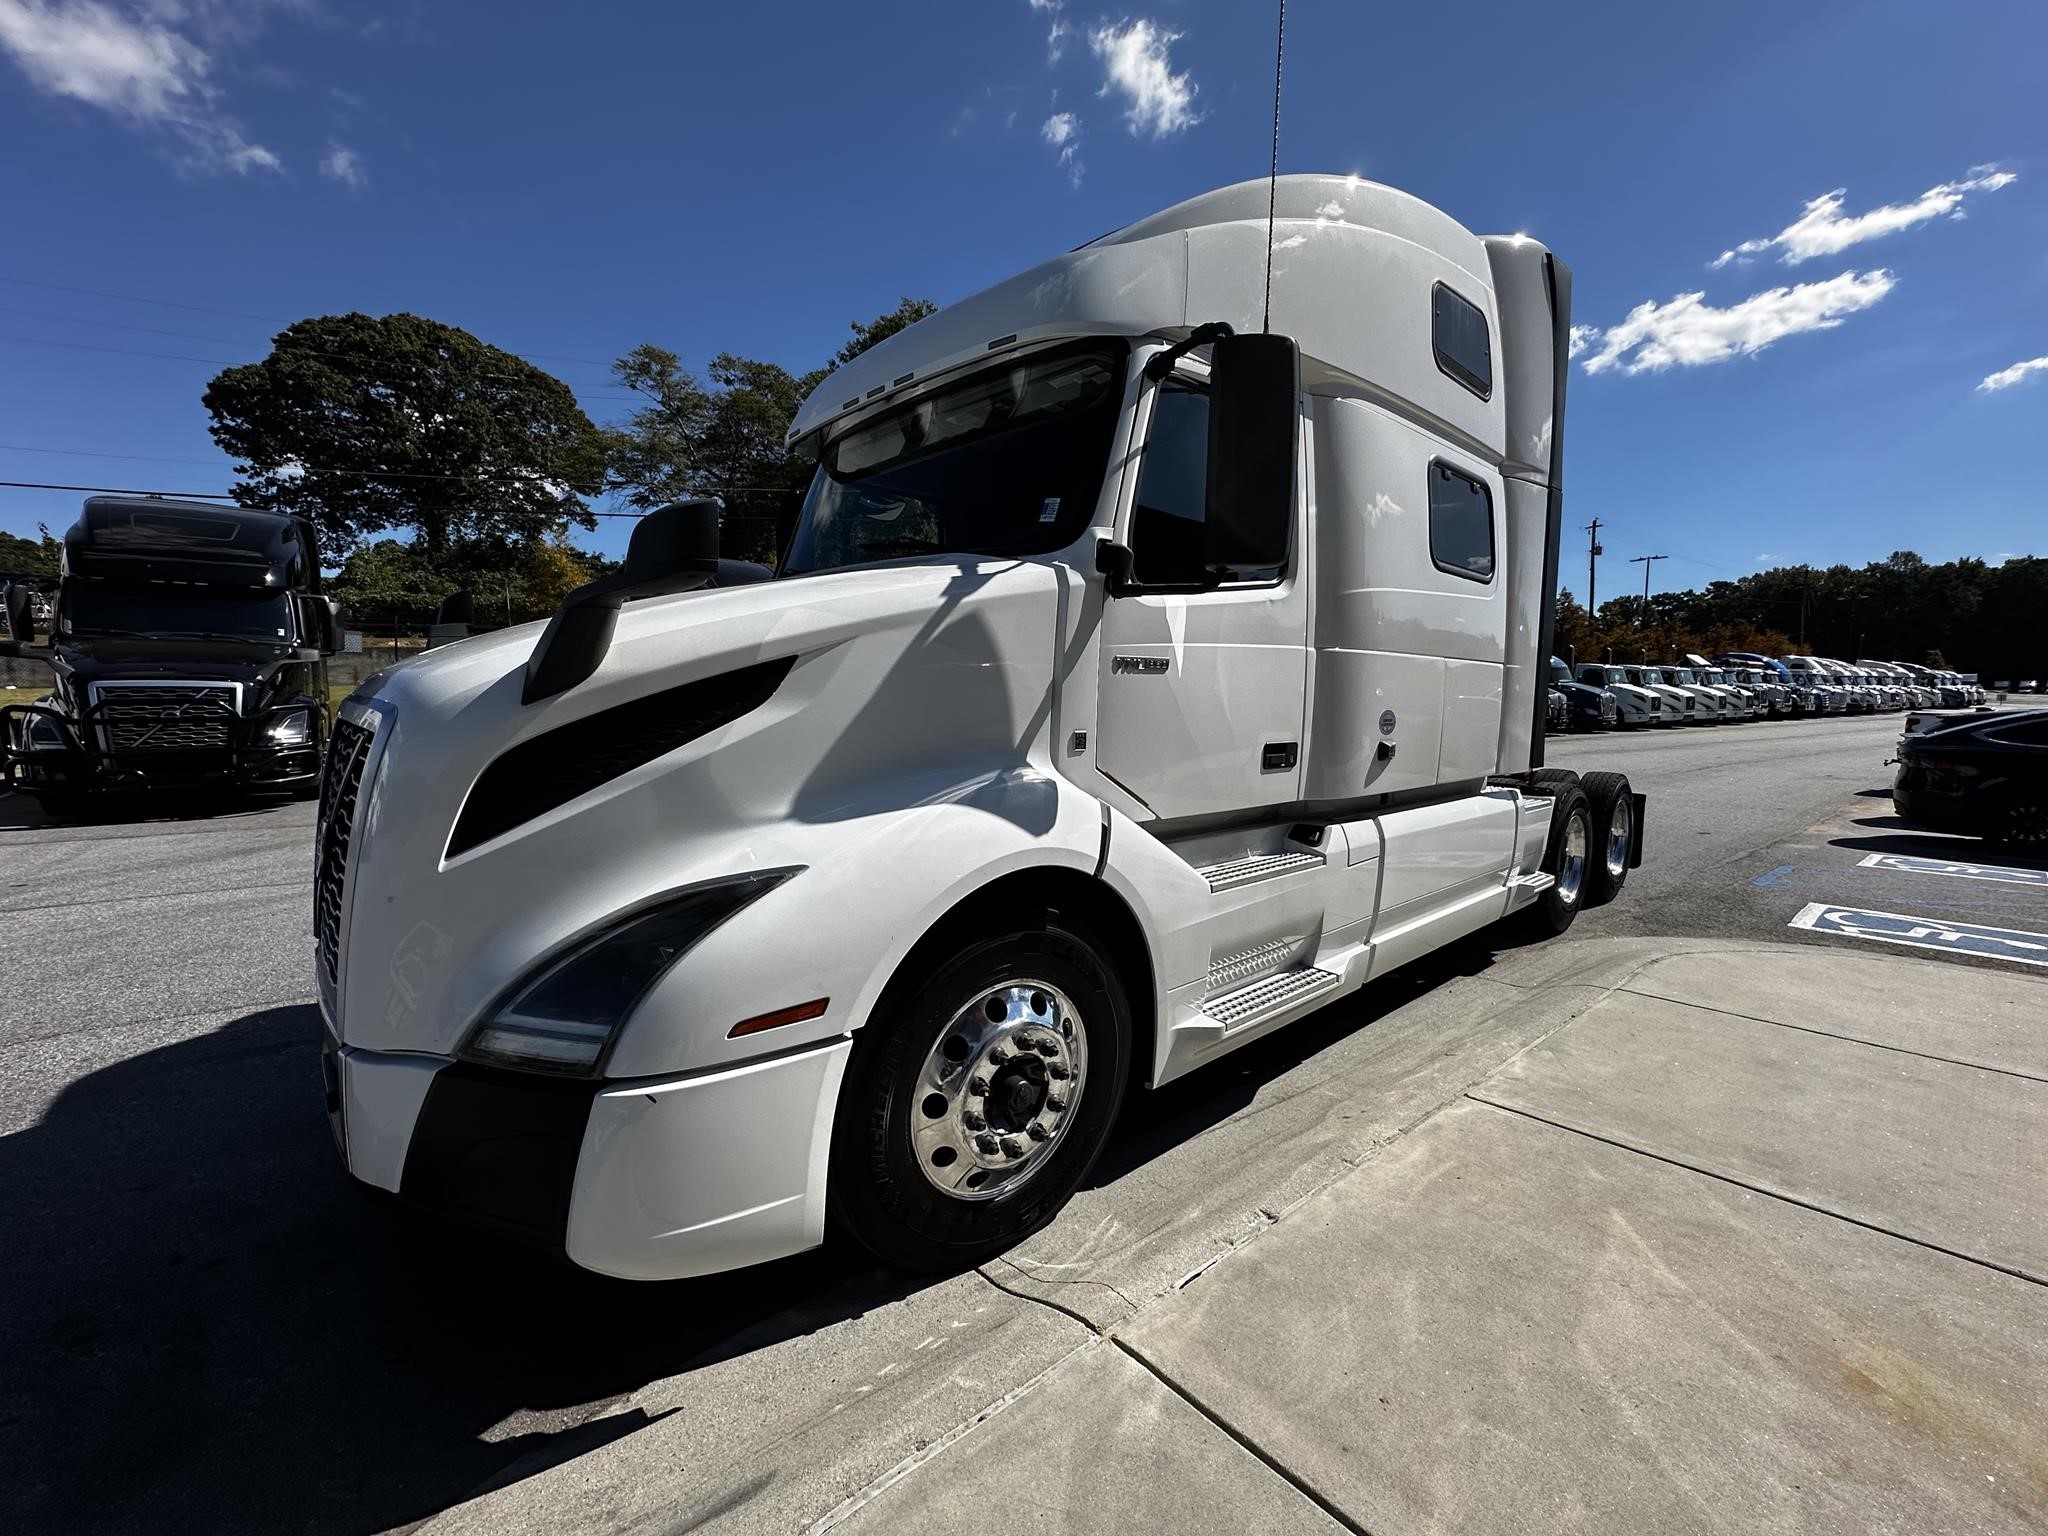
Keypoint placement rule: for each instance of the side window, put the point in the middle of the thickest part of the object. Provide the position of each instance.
(1463, 348)
(1166, 522)
(2033, 734)
(1460, 524)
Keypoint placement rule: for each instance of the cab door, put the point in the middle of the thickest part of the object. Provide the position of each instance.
(1201, 693)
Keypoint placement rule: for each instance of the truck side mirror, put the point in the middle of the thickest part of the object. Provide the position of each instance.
(320, 622)
(674, 549)
(1254, 419)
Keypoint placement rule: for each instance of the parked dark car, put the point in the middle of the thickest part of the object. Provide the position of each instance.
(1985, 776)
(1587, 708)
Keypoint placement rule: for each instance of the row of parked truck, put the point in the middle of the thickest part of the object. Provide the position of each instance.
(1743, 685)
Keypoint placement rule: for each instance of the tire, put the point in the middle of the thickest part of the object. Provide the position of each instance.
(1610, 835)
(1552, 912)
(1042, 972)
(2022, 823)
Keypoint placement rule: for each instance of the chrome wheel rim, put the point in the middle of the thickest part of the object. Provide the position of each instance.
(1571, 872)
(1619, 826)
(999, 1089)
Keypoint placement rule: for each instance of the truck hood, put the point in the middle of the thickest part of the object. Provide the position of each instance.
(905, 683)
(267, 673)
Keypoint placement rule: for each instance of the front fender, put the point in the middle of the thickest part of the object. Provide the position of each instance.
(870, 888)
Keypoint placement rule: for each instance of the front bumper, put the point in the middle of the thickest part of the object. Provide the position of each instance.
(646, 1180)
(77, 763)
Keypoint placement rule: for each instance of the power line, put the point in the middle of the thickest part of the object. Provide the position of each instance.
(130, 298)
(230, 314)
(584, 390)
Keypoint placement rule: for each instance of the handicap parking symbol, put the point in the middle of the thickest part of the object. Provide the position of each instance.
(2014, 944)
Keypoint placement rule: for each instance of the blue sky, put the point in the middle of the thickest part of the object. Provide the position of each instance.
(568, 182)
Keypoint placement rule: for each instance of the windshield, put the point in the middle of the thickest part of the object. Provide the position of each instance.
(1683, 676)
(1559, 672)
(1007, 463)
(153, 612)
(1649, 675)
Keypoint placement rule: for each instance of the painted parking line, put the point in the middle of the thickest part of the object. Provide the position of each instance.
(1960, 870)
(2014, 944)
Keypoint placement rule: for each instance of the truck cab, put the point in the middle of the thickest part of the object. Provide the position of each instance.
(1682, 704)
(1716, 705)
(1141, 677)
(1635, 705)
(189, 647)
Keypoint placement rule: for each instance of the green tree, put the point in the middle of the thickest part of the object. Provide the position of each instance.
(34, 557)
(723, 435)
(365, 423)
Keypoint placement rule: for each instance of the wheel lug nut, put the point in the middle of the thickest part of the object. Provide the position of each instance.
(972, 1121)
(1055, 1102)
(1048, 1047)
(999, 1054)
(977, 1084)
(1037, 1131)
(1056, 1072)
(986, 1143)
(1012, 1147)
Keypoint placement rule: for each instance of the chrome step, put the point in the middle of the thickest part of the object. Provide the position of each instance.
(1538, 880)
(1247, 1005)
(1232, 969)
(1264, 866)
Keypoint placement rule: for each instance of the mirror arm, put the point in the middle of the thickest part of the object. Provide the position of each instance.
(580, 632)
(1161, 363)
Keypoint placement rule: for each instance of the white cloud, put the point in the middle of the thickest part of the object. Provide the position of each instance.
(1063, 132)
(1688, 331)
(135, 67)
(1056, 40)
(1331, 210)
(2005, 378)
(1045, 5)
(1821, 229)
(1136, 65)
(344, 165)
(1583, 336)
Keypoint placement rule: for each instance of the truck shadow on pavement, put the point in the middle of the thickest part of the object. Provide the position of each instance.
(25, 813)
(208, 1327)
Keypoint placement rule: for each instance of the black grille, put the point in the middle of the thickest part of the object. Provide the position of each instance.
(556, 766)
(179, 717)
(348, 750)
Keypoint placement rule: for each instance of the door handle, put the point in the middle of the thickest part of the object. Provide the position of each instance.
(1385, 753)
(1278, 756)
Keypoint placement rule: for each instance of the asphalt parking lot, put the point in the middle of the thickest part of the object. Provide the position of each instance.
(1692, 1220)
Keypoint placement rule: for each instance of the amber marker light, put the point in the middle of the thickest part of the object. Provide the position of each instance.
(780, 1017)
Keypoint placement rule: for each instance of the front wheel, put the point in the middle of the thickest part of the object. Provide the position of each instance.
(2022, 823)
(980, 1094)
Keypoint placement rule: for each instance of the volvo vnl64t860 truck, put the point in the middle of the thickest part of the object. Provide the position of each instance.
(1138, 680)
(189, 644)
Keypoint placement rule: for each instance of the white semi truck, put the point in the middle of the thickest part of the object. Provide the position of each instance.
(1139, 679)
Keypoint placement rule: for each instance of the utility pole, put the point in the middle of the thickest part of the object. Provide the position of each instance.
(1593, 553)
(1645, 561)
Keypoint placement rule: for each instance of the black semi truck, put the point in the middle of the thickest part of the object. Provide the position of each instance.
(189, 644)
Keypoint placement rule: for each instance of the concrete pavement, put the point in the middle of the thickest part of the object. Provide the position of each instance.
(1667, 1264)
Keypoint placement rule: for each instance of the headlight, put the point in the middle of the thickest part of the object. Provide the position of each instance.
(290, 728)
(562, 1015)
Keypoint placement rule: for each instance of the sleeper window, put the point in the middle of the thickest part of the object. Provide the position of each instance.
(1460, 524)
(1464, 350)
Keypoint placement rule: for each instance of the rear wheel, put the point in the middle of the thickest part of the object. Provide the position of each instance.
(2023, 823)
(1611, 823)
(980, 1094)
(1565, 860)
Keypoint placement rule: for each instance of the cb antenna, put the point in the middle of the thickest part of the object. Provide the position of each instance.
(1273, 177)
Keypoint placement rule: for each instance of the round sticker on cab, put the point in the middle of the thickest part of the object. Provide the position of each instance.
(1386, 722)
